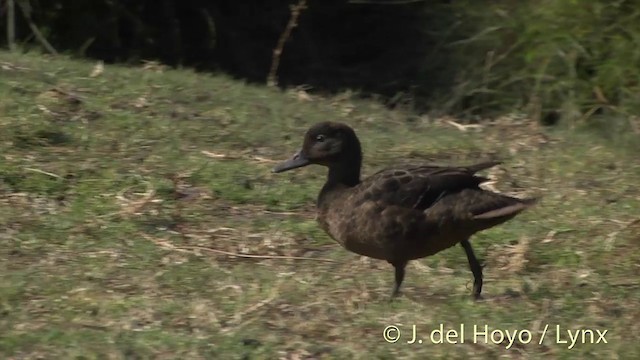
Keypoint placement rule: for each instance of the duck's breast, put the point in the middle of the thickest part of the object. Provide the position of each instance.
(358, 229)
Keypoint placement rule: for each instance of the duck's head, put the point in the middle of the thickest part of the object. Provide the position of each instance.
(329, 144)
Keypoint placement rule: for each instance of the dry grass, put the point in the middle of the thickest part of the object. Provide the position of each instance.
(141, 221)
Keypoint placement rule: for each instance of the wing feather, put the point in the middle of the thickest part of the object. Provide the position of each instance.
(419, 187)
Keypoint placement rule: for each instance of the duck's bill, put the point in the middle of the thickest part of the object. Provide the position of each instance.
(296, 161)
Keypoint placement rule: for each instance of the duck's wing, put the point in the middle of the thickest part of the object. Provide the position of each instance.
(419, 187)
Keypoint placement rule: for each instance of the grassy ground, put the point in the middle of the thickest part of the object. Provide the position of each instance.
(132, 199)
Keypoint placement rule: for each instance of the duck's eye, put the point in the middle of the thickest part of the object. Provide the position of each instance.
(320, 138)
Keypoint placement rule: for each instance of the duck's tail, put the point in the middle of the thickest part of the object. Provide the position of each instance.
(509, 206)
(490, 208)
(494, 209)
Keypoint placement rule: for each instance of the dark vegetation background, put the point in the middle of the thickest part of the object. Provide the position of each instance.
(553, 59)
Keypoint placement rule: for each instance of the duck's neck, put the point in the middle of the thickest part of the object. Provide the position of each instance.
(345, 173)
(342, 174)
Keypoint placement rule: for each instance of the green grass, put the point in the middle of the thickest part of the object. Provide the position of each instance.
(121, 205)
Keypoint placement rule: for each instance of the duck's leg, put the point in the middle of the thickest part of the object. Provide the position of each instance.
(399, 267)
(476, 268)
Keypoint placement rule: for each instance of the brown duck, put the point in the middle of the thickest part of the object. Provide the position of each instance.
(400, 213)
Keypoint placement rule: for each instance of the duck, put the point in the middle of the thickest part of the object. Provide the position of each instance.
(404, 212)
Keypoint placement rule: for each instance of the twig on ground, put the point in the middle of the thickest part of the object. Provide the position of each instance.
(44, 172)
(238, 316)
(462, 127)
(192, 249)
(255, 158)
